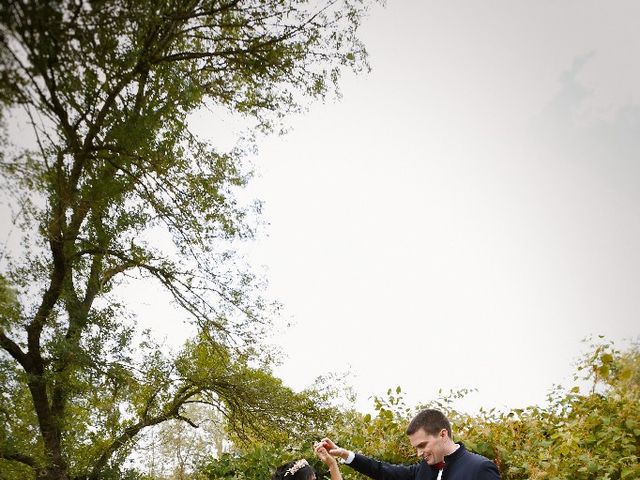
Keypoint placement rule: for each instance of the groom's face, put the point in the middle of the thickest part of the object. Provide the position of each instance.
(429, 447)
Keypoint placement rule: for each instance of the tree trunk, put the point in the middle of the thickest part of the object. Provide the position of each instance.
(53, 473)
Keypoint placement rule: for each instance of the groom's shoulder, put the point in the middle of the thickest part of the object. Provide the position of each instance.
(476, 462)
(473, 457)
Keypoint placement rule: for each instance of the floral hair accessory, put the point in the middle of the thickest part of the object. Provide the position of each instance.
(296, 466)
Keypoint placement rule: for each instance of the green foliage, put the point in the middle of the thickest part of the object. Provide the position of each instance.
(594, 434)
(381, 436)
(577, 435)
(259, 461)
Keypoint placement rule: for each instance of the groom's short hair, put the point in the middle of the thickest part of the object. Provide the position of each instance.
(431, 421)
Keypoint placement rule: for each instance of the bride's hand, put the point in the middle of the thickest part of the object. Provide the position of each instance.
(320, 450)
(334, 449)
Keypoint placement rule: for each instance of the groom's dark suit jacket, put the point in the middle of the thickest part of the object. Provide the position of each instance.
(460, 465)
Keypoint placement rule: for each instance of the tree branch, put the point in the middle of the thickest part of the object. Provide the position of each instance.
(18, 457)
(14, 350)
(187, 420)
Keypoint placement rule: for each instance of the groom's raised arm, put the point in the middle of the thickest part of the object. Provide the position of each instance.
(370, 467)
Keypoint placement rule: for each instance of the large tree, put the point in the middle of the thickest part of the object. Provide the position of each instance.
(107, 87)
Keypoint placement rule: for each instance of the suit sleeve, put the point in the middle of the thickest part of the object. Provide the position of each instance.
(381, 470)
(488, 471)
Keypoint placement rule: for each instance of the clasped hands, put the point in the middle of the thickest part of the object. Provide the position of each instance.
(326, 450)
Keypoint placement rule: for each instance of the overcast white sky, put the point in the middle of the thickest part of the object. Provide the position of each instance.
(469, 211)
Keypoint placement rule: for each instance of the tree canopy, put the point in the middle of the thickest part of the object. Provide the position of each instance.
(107, 87)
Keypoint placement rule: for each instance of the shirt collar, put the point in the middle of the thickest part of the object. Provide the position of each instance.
(455, 455)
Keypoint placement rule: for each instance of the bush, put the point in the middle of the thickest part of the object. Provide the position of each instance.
(576, 435)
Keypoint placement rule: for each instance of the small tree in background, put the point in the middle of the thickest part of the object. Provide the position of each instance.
(174, 448)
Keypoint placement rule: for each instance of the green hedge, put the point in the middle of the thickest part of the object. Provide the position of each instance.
(576, 435)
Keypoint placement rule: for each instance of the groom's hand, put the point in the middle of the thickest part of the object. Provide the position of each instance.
(334, 449)
(322, 453)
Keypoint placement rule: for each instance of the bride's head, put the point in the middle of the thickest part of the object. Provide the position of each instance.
(296, 470)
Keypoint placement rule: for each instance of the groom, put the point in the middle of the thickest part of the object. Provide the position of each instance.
(430, 434)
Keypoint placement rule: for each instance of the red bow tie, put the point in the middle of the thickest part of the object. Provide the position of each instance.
(438, 466)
